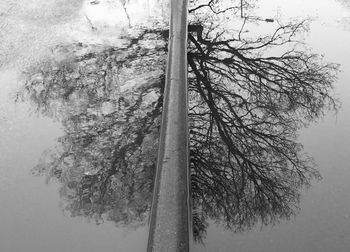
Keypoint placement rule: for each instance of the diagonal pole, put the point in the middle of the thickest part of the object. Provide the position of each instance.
(170, 213)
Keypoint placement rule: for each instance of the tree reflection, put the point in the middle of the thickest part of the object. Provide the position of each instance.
(246, 105)
(105, 160)
(249, 98)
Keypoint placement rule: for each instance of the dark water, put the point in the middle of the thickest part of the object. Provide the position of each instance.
(82, 153)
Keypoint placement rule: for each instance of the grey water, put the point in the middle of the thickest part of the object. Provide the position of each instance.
(38, 207)
(323, 220)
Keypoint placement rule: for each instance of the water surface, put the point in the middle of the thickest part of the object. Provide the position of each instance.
(323, 223)
(80, 105)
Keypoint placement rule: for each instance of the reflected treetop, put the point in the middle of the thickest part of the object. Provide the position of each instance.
(249, 95)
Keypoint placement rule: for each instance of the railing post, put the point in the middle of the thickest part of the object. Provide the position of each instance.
(170, 214)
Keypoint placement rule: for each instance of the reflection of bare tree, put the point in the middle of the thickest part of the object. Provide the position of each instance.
(245, 110)
(105, 160)
(245, 115)
(247, 104)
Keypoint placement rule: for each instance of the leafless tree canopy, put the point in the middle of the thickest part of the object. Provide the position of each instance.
(248, 99)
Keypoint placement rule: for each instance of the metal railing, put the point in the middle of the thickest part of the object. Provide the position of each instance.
(170, 215)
